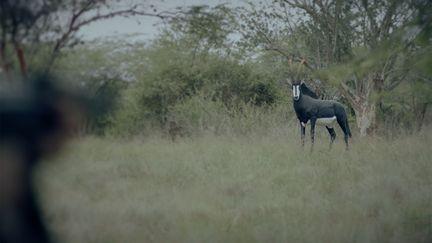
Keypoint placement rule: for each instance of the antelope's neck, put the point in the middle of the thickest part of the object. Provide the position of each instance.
(298, 102)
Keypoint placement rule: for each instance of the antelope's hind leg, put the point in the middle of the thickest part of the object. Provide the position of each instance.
(343, 123)
(332, 135)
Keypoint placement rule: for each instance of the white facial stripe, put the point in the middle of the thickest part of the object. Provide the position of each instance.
(296, 90)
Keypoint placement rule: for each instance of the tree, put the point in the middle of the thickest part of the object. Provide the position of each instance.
(204, 29)
(336, 32)
(27, 23)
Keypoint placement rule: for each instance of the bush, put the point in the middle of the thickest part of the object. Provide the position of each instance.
(194, 94)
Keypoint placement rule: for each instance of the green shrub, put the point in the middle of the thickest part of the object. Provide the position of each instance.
(197, 94)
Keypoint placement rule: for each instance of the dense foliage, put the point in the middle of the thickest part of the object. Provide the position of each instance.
(215, 69)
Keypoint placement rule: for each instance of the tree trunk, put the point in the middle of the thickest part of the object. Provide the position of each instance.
(363, 102)
(20, 55)
(366, 118)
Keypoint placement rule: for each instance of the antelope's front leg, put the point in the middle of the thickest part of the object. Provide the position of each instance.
(313, 122)
(303, 133)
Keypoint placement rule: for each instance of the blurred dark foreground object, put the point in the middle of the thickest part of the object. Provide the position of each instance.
(35, 121)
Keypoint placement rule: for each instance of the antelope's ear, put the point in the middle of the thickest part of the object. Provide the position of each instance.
(289, 81)
(302, 82)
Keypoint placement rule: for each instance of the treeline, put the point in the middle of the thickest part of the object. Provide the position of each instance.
(222, 70)
(169, 86)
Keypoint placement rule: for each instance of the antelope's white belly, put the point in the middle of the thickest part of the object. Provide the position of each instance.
(327, 121)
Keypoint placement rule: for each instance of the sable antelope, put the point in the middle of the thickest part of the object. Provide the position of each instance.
(326, 112)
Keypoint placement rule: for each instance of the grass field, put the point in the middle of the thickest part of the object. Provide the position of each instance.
(240, 189)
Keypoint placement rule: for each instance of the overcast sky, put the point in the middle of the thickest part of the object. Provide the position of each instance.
(145, 27)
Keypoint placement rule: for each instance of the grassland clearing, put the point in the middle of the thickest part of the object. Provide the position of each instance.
(240, 189)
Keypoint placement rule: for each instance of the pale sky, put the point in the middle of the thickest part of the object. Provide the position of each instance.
(143, 26)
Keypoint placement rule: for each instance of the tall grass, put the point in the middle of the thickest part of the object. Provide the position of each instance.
(200, 114)
(257, 188)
